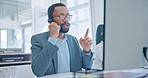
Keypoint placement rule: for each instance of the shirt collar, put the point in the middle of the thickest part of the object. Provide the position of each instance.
(65, 38)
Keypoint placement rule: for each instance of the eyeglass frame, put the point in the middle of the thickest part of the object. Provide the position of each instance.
(69, 16)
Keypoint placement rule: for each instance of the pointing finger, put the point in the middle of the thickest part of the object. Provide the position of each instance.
(86, 34)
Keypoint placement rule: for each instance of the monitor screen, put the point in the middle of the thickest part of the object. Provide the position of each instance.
(126, 30)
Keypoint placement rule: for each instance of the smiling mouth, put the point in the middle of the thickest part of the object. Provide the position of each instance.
(66, 24)
(65, 27)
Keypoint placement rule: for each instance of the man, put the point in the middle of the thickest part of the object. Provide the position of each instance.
(55, 51)
(99, 48)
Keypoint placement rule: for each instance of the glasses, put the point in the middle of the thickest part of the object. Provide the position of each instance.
(68, 16)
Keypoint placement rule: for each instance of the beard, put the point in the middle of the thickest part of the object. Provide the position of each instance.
(64, 27)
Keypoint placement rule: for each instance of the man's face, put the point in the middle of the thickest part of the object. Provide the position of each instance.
(61, 17)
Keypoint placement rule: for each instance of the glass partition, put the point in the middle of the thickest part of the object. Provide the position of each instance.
(89, 14)
(98, 27)
(15, 16)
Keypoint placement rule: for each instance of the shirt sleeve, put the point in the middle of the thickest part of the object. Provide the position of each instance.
(52, 40)
(87, 53)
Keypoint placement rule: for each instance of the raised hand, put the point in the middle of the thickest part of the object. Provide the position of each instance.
(86, 42)
(54, 29)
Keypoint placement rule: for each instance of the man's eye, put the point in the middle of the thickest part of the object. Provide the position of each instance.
(61, 16)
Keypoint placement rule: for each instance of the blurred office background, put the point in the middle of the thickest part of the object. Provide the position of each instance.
(20, 19)
(125, 29)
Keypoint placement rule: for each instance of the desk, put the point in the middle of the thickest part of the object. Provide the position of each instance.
(128, 73)
(16, 71)
(11, 59)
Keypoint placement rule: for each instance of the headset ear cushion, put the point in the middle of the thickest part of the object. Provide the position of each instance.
(49, 20)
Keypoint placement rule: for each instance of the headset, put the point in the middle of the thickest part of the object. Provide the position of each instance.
(50, 15)
(51, 10)
(50, 20)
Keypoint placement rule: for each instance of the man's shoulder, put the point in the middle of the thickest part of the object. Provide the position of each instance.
(41, 35)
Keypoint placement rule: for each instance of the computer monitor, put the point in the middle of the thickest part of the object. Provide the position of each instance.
(126, 30)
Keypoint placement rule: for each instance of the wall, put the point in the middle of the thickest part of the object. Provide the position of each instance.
(126, 33)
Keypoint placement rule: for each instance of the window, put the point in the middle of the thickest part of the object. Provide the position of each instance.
(80, 9)
(3, 38)
(27, 38)
(11, 38)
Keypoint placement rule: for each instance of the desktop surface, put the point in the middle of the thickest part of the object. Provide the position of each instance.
(129, 73)
(125, 75)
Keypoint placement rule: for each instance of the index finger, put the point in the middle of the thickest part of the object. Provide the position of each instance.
(86, 34)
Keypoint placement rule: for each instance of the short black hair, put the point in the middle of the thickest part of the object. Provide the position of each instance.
(51, 9)
(99, 33)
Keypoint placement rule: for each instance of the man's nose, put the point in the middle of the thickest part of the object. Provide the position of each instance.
(66, 19)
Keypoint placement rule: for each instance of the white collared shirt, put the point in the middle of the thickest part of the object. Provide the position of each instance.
(98, 56)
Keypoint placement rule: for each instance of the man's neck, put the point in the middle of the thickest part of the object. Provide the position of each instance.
(61, 36)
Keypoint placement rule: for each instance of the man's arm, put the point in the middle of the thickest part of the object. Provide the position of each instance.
(87, 55)
(41, 56)
(87, 60)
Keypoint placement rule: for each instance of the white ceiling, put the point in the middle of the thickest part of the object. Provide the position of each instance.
(11, 7)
